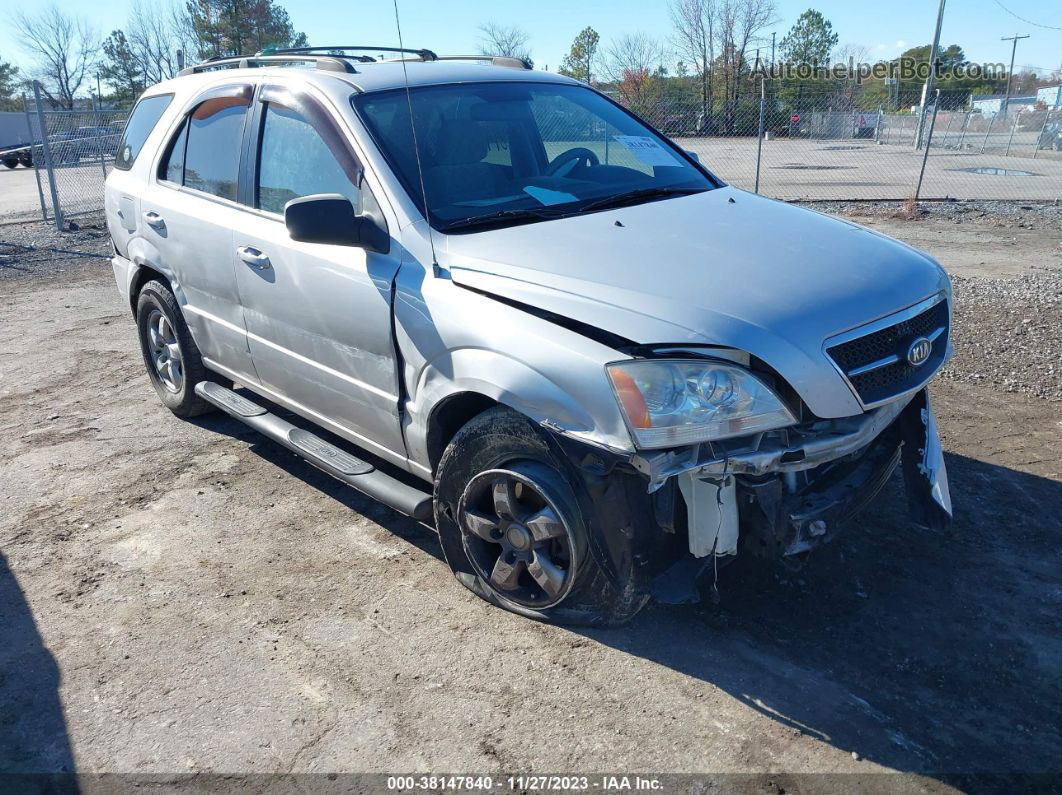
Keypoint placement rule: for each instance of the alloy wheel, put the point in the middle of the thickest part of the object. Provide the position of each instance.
(165, 351)
(516, 536)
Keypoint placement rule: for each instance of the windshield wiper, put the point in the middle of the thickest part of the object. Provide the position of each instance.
(526, 214)
(619, 199)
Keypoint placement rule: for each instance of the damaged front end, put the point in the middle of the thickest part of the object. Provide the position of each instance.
(777, 495)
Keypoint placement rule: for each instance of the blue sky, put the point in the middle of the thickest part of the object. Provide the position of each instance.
(450, 25)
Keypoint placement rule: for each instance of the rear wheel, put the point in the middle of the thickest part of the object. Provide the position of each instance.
(11, 162)
(170, 354)
(513, 529)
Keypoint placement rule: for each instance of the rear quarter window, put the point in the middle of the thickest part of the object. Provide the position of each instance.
(141, 122)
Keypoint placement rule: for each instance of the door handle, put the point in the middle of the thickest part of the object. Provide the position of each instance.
(154, 220)
(254, 258)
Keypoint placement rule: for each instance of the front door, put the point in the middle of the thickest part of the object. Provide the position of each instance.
(318, 317)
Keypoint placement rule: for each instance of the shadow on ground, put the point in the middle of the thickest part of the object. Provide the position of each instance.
(931, 654)
(928, 654)
(33, 735)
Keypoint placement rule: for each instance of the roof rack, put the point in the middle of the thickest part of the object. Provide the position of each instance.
(324, 63)
(423, 54)
(337, 59)
(495, 60)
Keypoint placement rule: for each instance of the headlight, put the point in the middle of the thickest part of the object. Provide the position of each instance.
(676, 402)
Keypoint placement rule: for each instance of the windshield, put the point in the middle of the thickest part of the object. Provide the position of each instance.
(507, 152)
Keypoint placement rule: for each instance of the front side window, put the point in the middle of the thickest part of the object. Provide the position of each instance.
(214, 136)
(295, 161)
(516, 152)
(141, 122)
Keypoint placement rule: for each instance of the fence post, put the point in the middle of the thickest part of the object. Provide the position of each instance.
(99, 125)
(947, 132)
(965, 127)
(929, 143)
(57, 211)
(759, 138)
(877, 127)
(36, 171)
(991, 121)
(1010, 140)
(1036, 143)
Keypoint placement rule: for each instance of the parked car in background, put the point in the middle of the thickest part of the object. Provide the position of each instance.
(495, 300)
(1051, 136)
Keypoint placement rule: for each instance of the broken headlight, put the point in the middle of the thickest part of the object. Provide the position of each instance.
(675, 402)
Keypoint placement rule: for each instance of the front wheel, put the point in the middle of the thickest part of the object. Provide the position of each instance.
(513, 529)
(170, 354)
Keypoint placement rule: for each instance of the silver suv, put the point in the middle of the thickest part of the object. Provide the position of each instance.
(497, 301)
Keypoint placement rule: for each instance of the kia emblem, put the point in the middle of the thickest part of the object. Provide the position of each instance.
(918, 352)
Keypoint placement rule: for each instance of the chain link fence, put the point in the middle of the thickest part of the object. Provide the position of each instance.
(72, 153)
(787, 144)
(806, 146)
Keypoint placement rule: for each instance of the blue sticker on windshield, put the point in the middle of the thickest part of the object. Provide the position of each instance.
(548, 197)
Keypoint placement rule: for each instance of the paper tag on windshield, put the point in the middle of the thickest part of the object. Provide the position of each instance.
(647, 150)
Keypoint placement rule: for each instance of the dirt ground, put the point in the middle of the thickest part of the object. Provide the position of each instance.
(185, 598)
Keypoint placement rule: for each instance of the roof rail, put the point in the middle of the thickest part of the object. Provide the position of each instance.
(324, 63)
(495, 60)
(423, 54)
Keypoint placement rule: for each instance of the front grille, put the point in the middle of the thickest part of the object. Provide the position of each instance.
(876, 364)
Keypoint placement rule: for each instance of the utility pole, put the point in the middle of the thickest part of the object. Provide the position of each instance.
(1010, 74)
(932, 73)
(772, 46)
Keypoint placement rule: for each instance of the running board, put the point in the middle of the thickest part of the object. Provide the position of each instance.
(325, 456)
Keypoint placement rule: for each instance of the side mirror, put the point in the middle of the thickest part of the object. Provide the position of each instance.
(696, 157)
(330, 218)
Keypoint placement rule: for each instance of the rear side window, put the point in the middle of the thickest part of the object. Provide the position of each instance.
(210, 140)
(141, 122)
(295, 161)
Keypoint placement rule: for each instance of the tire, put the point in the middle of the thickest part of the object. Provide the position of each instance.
(164, 335)
(502, 446)
(11, 162)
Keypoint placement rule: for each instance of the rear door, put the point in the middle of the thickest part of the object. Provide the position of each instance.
(188, 214)
(318, 316)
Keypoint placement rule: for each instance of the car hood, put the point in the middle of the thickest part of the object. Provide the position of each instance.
(723, 267)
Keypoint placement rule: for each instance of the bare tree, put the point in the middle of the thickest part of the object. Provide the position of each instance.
(632, 61)
(740, 23)
(154, 42)
(633, 52)
(509, 40)
(850, 56)
(694, 39)
(63, 48)
(185, 36)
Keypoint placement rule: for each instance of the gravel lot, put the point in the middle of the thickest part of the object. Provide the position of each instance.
(186, 598)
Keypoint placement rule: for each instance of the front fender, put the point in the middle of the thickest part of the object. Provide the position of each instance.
(453, 340)
(519, 386)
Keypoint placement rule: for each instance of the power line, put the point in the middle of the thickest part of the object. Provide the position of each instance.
(1023, 19)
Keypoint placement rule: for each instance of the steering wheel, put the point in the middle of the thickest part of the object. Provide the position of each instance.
(575, 156)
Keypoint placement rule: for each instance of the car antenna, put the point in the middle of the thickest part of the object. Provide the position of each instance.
(416, 146)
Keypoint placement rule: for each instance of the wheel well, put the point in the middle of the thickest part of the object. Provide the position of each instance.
(143, 276)
(449, 417)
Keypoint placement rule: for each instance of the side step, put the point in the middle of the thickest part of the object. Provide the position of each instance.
(327, 457)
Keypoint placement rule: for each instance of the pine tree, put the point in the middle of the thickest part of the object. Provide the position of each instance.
(579, 61)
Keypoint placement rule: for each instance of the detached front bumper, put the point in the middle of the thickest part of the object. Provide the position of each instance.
(795, 492)
(659, 519)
